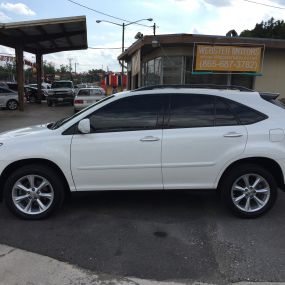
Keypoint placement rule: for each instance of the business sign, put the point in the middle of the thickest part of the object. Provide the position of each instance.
(228, 58)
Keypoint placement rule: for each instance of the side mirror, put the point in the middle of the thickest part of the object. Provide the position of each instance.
(84, 126)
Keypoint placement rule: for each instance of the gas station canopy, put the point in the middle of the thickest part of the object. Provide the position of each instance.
(46, 36)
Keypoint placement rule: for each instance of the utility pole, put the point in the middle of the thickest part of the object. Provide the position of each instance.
(70, 67)
(123, 47)
(75, 64)
(154, 28)
(70, 61)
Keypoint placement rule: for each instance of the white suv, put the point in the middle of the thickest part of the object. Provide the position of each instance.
(151, 138)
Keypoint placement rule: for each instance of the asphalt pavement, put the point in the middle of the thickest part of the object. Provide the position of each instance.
(157, 235)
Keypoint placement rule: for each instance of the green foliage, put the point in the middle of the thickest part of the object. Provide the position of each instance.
(271, 29)
(48, 68)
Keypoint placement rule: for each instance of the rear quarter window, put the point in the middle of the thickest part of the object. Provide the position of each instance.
(245, 115)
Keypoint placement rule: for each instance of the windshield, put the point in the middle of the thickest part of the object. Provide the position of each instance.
(61, 122)
(62, 84)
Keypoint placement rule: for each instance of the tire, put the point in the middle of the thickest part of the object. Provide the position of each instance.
(32, 99)
(12, 105)
(49, 103)
(249, 190)
(50, 195)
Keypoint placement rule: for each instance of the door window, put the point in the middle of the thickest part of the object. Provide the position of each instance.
(3, 90)
(128, 114)
(191, 111)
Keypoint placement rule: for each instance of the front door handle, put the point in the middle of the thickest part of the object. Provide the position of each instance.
(149, 139)
(233, 135)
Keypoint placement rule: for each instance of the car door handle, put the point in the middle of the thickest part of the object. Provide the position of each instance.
(149, 139)
(233, 135)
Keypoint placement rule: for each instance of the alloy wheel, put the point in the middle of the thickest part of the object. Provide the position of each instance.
(32, 194)
(250, 192)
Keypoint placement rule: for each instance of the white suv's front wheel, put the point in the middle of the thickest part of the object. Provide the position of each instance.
(249, 190)
(33, 191)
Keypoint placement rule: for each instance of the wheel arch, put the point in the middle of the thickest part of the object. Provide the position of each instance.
(267, 163)
(45, 162)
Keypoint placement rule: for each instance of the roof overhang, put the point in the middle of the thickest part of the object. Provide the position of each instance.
(174, 40)
(46, 36)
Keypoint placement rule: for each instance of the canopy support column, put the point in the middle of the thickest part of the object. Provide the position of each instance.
(20, 76)
(39, 65)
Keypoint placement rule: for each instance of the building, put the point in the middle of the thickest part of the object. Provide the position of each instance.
(171, 59)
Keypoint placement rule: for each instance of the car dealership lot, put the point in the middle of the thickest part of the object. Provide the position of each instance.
(154, 235)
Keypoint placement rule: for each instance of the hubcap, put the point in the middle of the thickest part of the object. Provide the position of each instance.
(12, 105)
(32, 194)
(250, 192)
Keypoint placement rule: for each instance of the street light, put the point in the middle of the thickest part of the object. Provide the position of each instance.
(123, 34)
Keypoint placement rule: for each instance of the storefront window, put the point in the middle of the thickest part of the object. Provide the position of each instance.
(172, 70)
(218, 79)
(151, 72)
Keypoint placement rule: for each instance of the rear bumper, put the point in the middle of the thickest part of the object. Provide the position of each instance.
(79, 107)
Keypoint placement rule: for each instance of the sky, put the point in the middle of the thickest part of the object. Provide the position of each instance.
(210, 17)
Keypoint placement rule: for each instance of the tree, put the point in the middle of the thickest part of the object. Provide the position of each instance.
(271, 29)
(63, 69)
(48, 68)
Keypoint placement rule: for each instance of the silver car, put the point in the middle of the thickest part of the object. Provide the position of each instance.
(8, 99)
(87, 96)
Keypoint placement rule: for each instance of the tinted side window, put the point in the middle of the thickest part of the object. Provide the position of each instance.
(190, 111)
(245, 114)
(223, 115)
(128, 114)
(3, 90)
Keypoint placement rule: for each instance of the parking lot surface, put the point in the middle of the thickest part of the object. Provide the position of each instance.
(160, 235)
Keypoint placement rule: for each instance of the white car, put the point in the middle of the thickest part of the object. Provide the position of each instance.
(86, 97)
(8, 99)
(151, 138)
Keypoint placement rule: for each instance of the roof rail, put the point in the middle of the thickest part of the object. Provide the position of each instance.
(205, 86)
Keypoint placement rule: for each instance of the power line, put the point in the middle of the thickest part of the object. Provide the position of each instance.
(263, 4)
(105, 14)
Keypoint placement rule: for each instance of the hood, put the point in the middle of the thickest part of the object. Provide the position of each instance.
(24, 132)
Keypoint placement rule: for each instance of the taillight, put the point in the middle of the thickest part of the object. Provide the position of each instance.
(78, 101)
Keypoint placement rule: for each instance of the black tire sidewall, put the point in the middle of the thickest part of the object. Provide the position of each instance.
(43, 171)
(242, 170)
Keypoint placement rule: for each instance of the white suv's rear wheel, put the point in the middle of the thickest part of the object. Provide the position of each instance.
(249, 190)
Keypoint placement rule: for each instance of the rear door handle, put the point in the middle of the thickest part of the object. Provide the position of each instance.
(149, 139)
(233, 135)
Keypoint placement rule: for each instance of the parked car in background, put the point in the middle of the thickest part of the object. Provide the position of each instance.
(45, 88)
(44, 85)
(61, 91)
(31, 94)
(86, 97)
(8, 99)
(80, 85)
(12, 86)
